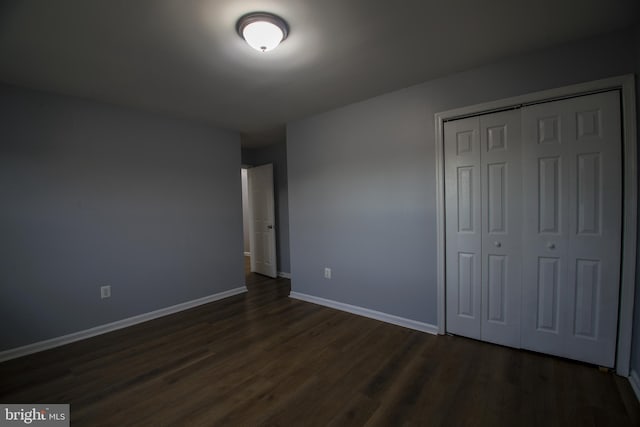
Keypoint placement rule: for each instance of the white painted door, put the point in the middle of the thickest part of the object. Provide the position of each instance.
(572, 227)
(483, 227)
(500, 137)
(262, 239)
(533, 201)
(463, 226)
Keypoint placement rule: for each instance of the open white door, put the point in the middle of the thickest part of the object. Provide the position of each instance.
(262, 237)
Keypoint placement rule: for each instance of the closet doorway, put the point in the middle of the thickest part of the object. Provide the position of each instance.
(533, 250)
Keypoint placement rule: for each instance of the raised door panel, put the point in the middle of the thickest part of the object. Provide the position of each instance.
(465, 210)
(588, 202)
(587, 288)
(465, 285)
(463, 235)
(549, 169)
(497, 197)
(547, 306)
(496, 289)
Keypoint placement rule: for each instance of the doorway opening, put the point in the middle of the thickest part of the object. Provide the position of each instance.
(245, 220)
(259, 230)
(623, 84)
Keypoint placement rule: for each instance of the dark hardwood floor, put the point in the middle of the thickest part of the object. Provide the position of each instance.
(263, 359)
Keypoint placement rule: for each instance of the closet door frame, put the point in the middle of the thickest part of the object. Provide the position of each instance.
(626, 85)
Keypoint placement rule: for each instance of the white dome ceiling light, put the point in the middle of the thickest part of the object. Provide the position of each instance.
(262, 31)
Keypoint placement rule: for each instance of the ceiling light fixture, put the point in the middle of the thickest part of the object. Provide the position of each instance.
(262, 31)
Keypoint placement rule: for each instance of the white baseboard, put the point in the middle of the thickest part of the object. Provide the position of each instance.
(378, 315)
(247, 254)
(634, 379)
(284, 274)
(114, 326)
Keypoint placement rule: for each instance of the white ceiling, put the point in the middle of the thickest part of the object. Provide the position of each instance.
(183, 57)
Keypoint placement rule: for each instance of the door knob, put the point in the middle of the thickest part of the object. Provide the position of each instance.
(551, 245)
(269, 227)
(497, 244)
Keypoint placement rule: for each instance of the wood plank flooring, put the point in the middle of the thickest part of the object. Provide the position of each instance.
(263, 359)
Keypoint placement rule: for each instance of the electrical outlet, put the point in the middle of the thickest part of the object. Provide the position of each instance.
(105, 291)
(327, 273)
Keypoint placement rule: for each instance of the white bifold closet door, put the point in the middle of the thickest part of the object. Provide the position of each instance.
(483, 227)
(533, 214)
(573, 208)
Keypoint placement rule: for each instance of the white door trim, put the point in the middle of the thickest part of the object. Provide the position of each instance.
(626, 85)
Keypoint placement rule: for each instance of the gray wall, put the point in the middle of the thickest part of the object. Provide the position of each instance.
(94, 194)
(362, 193)
(276, 154)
